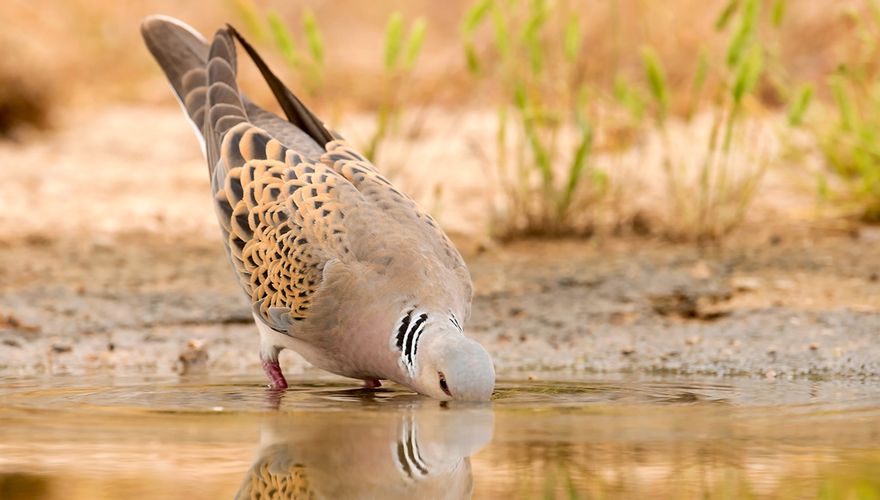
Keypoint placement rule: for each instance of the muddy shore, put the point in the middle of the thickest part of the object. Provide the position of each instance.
(804, 305)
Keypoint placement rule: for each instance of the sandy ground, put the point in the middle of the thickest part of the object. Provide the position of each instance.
(137, 303)
(110, 262)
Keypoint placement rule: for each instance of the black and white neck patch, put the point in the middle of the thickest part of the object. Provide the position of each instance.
(406, 337)
(455, 322)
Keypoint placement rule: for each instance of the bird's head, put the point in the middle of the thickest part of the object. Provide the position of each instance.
(441, 362)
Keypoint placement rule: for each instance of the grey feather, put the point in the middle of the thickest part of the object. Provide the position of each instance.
(328, 251)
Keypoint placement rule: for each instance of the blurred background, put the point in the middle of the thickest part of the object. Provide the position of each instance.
(505, 118)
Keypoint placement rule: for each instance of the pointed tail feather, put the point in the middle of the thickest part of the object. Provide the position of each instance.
(182, 54)
(224, 101)
(203, 77)
(294, 109)
(177, 47)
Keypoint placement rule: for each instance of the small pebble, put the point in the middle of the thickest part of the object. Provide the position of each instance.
(566, 281)
(700, 271)
(693, 340)
(194, 359)
(619, 318)
(61, 348)
(745, 283)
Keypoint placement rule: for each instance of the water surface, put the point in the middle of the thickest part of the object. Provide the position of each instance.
(682, 438)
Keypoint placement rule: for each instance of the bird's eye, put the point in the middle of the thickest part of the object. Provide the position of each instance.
(443, 385)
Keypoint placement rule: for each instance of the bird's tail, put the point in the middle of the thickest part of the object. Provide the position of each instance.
(201, 75)
(203, 78)
(182, 53)
(297, 112)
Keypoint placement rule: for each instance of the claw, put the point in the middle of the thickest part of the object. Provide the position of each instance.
(372, 383)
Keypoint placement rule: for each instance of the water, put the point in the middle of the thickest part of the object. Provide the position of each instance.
(681, 438)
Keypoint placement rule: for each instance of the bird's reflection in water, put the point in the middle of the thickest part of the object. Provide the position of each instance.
(420, 449)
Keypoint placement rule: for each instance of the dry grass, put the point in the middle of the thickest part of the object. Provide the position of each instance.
(108, 59)
(108, 64)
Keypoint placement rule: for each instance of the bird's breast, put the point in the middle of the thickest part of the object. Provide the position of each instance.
(357, 347)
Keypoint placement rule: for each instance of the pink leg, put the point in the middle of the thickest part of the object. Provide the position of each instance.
(273, 371)
(373, 383)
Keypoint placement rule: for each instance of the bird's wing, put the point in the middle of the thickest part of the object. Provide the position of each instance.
(282, 216)
(290, 196)
(406, 214)
(389, 218)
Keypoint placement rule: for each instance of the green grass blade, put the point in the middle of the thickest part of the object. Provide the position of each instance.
(744, 35)
(629, 97)
(475, 15)
(537, 18)
(822, 187)
(414, 42)
(531, 34)
(799, 105)
(843, 100)
(282, 38)
(393, 41)
(313, 37)
(471, 58)
(576, 169)
(656, 81)
(250, 17)
(747, 75)
(471, 21)
(779, 9)
(699, 81)
(572, 40)
(502, 33)
(542, 157)
(726, 14)
(520, 100)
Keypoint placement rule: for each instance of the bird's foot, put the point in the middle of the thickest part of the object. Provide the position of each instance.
(372, 383)
(273, 371)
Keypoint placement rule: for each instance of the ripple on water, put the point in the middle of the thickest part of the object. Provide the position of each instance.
(168, 437)
(174, 395)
